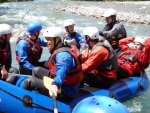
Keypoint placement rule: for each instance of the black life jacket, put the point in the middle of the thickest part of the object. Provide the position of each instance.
(111, 63)
(114, 40)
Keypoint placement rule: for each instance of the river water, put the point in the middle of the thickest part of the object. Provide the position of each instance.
(41, 11)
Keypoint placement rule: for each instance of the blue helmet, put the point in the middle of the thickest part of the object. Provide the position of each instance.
(34, 27)
(100, 104)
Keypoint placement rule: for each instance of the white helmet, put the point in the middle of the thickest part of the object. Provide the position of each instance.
(53, 32)
(5, 29)
(69, 22)
(109, 12)
(140, 40)
(92, 32)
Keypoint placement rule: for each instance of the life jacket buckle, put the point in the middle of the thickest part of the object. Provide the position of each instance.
(123, 61)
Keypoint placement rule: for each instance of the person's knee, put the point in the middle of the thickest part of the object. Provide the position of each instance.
(29, 83)
(25, 71)
(13, 70)
(12, 79)
(46, 64)
(38, 72)
(34, 83)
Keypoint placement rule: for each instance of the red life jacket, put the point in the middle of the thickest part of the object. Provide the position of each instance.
(74, 76)
(4, 54)
(34, 51)
(130, 61)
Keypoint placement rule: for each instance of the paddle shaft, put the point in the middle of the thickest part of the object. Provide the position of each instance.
(55, 104)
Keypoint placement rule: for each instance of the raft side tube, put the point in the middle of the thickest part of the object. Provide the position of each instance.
(11, 101)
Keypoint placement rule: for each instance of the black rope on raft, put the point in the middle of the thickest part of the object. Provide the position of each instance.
(24, 101)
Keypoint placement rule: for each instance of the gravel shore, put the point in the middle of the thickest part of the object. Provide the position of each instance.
(131, 12)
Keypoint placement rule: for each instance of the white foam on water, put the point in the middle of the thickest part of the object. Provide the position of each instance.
(4, 6)
(148, 69)
(136, 107)
(4, 17)
(17, 30)
(100, 23)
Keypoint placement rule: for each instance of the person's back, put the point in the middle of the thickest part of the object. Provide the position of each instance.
(98, 58)
(134, 57)
(29, 50)
(113, 30)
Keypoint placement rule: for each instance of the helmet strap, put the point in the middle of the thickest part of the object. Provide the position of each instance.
(55, 45)
(88, 42)
(37, 35)
(67, 29)
(113, 17)
(95, 41)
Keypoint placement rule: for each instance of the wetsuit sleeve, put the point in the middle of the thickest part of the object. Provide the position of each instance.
(78, 38)
(64, 63)
(114, 31)
(123, 43)
(68, 37)
(42, 41)
(22, 49)
(97, 56)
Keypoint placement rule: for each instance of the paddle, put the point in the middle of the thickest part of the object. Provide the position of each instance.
(55, 104)
(47, 82)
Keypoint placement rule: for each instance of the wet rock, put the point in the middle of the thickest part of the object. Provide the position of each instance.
(131, 12)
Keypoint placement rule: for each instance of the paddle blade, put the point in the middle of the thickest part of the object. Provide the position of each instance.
(47, 83)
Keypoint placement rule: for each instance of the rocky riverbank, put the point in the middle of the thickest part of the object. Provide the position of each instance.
(131, 12)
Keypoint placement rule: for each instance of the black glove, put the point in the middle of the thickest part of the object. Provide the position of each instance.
(101, 33)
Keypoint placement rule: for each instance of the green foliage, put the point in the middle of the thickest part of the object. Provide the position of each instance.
(2, 1)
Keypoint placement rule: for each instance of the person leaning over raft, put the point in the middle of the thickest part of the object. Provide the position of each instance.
(64, 67)
(29, 50)
(5, 52)
(113, 30)
(99, 62)
(71, 37)
(134, 57)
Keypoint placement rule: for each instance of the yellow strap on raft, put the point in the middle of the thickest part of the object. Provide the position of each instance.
(47, 83)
